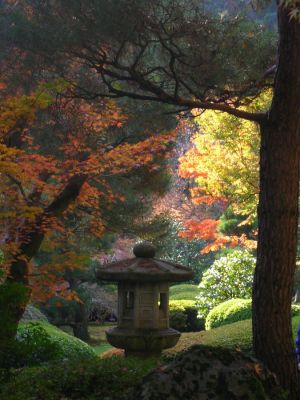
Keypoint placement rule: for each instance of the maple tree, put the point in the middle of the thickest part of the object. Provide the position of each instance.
(224, 164)
(46, 187)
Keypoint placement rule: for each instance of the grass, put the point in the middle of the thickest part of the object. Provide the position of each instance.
(97, 336)
(97, 332)
(236, 335)
(102, 348)
(184, 292)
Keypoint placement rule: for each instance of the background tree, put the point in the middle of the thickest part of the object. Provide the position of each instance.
(222, 167)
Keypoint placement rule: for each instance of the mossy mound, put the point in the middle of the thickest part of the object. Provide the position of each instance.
(39, 341)
(207, 373)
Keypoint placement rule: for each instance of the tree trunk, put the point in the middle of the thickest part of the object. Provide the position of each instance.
(80, 326)
(18, 268)
(278, 215)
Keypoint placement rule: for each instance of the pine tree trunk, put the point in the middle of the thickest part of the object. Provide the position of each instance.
(278, 215)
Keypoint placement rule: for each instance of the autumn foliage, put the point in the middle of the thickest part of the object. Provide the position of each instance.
(56, 159)
(222, 166)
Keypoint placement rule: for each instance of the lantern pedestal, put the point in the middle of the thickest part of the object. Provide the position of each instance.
(142, 343)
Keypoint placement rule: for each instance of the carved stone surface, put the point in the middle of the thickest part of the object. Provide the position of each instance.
(140, 342)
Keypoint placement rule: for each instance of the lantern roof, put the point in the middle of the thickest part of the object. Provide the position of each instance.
(144, 267)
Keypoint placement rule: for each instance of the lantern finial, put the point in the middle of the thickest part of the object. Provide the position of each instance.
(144, 250)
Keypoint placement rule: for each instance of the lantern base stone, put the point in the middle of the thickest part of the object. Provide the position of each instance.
(142, 343)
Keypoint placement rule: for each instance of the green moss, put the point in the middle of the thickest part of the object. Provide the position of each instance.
(236, 335)
(210, 373)
(113, 378)
(39, 341)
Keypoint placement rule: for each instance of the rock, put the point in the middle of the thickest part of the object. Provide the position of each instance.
(207, 373)
(32, 313)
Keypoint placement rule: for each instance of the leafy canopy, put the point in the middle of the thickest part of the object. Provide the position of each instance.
(223, 165)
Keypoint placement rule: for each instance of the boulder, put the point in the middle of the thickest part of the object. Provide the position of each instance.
(32, 313)
(207, 373)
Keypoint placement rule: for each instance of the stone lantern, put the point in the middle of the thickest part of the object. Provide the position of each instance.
(143, 301)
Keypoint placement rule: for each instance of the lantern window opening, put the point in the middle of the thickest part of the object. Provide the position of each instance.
(129, 299)
(163, 301)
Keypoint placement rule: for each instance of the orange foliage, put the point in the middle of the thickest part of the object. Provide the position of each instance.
(189, 167)
(206, 229)
(32, 178)
(229, 241)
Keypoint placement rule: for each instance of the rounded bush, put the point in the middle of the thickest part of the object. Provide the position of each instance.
(38, 342)
(184, 316)
(228, 312)
(228, 277)
(234, 310)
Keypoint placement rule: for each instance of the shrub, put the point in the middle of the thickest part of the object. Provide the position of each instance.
(38, 342)
(184, 292)
(229, 277)
(235, 310)
(184, 316)
(228, 312)
(109, 379)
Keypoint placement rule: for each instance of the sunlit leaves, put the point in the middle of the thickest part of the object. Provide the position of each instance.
(229, 277)
(223, 163)
(76, 170)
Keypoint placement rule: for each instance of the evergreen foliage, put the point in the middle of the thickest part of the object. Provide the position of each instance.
(183, 316)
(235, 310)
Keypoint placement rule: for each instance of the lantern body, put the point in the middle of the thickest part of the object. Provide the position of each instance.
(143, 302)
(143, 305)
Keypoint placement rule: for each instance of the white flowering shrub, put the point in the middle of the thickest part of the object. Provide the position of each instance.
(229, 277)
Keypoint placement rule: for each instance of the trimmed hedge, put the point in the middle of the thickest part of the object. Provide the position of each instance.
(185, 291)
(184, 316)
(234, 310)
(37, 342)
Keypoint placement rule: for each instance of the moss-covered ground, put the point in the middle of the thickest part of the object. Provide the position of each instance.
(110, 378)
